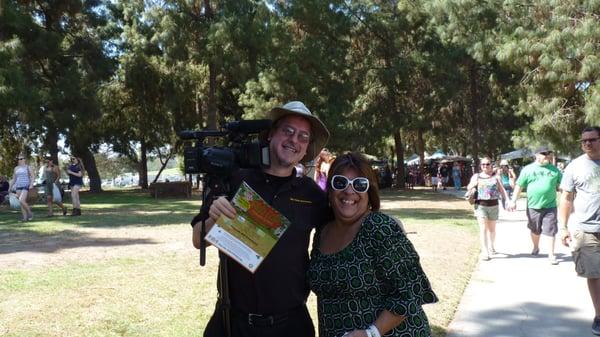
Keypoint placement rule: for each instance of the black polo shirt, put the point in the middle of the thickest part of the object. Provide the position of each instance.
(279, 284)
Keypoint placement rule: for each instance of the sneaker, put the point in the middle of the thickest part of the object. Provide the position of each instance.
(535, 251)
(553, 260)
(64, 211)
(485, 257)
(596, 326)
(30, 217)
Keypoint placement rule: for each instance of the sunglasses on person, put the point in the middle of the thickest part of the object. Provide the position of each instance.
(588, 140)
(20, 158)
(359, 184)
(545, 153)
(288, 131)
(486, 164)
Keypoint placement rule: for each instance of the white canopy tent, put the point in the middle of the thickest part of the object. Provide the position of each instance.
(522, 153)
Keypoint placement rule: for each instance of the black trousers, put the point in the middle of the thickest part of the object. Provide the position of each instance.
(297, 324)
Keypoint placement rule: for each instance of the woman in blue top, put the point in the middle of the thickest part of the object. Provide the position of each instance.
(22, 182)
(364, 270)
(75, 172)
(507, 177)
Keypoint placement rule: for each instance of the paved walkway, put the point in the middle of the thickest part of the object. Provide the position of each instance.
(519, 295)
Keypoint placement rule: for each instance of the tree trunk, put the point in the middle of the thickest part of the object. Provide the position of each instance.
(143, 166)
(164, 163)
(52, 143)
(212, 79)
(400, 174)
(474, 110)
(421, 151)
(89, 163)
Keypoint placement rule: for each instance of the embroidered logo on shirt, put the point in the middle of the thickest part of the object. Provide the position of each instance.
(302, 201)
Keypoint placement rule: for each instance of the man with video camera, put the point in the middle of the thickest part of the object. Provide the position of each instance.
(272, 301)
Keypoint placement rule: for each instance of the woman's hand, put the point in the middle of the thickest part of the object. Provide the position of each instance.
(356, 333)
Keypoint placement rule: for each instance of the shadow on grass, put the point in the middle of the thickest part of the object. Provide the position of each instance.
(431, 214)
(415, 195)
(111, 209)
(31, 241)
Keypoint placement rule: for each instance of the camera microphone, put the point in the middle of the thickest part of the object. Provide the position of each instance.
(249, 126)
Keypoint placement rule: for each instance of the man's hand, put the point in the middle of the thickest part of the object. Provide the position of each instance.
(565, 237)
(512, 205)
(221, 206)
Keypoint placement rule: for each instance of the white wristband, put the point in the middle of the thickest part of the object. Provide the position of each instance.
(374, 332)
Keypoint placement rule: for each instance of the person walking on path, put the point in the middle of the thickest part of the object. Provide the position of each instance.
(272, 301)
(456, 176)
(508, 177)
(75, 172)
(22, 182)
(51, 177)
(579, 212)
(489, 189)
(541, 179)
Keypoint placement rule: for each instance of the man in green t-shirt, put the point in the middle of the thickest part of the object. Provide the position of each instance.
(541, 179)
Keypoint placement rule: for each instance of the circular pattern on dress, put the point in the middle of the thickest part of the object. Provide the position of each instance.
(379, 270)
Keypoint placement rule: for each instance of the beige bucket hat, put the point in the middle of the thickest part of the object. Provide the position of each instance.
(319, 132)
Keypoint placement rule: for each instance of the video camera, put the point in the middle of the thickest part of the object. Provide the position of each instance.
(238, 151)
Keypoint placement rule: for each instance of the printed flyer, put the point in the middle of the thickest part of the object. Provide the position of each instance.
(252, 234)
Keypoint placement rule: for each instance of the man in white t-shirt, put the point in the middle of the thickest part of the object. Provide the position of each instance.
(581, 195)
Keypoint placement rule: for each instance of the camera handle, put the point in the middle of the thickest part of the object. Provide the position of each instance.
(217, 186)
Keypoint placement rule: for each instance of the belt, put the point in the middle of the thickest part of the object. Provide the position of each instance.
(264, 320)
(492, 202)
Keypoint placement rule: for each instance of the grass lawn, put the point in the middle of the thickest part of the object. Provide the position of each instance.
(127, 267)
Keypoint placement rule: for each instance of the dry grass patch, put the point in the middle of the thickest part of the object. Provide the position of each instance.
(122, 274)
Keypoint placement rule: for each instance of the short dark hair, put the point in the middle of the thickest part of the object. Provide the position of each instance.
(591, 129)
(361, 164)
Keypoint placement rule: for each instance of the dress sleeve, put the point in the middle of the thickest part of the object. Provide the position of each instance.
(398, 269)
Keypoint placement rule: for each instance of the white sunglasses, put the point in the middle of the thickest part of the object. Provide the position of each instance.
(359, 184)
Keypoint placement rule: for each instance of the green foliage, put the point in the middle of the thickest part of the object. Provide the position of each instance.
(441, 73)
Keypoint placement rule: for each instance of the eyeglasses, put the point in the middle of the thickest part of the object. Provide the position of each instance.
(359, 184)
(588, 140)
(20, 158)
(545, 153)
(303, 137)
(485, 164)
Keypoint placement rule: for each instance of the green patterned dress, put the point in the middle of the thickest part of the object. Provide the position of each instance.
(378, 270)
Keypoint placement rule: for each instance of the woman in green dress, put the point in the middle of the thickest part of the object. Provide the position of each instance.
(365, 272)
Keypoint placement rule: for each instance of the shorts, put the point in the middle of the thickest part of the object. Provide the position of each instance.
(26, 188)
(434, 180)
(542, 221)
(586, 253)
(486, 212)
